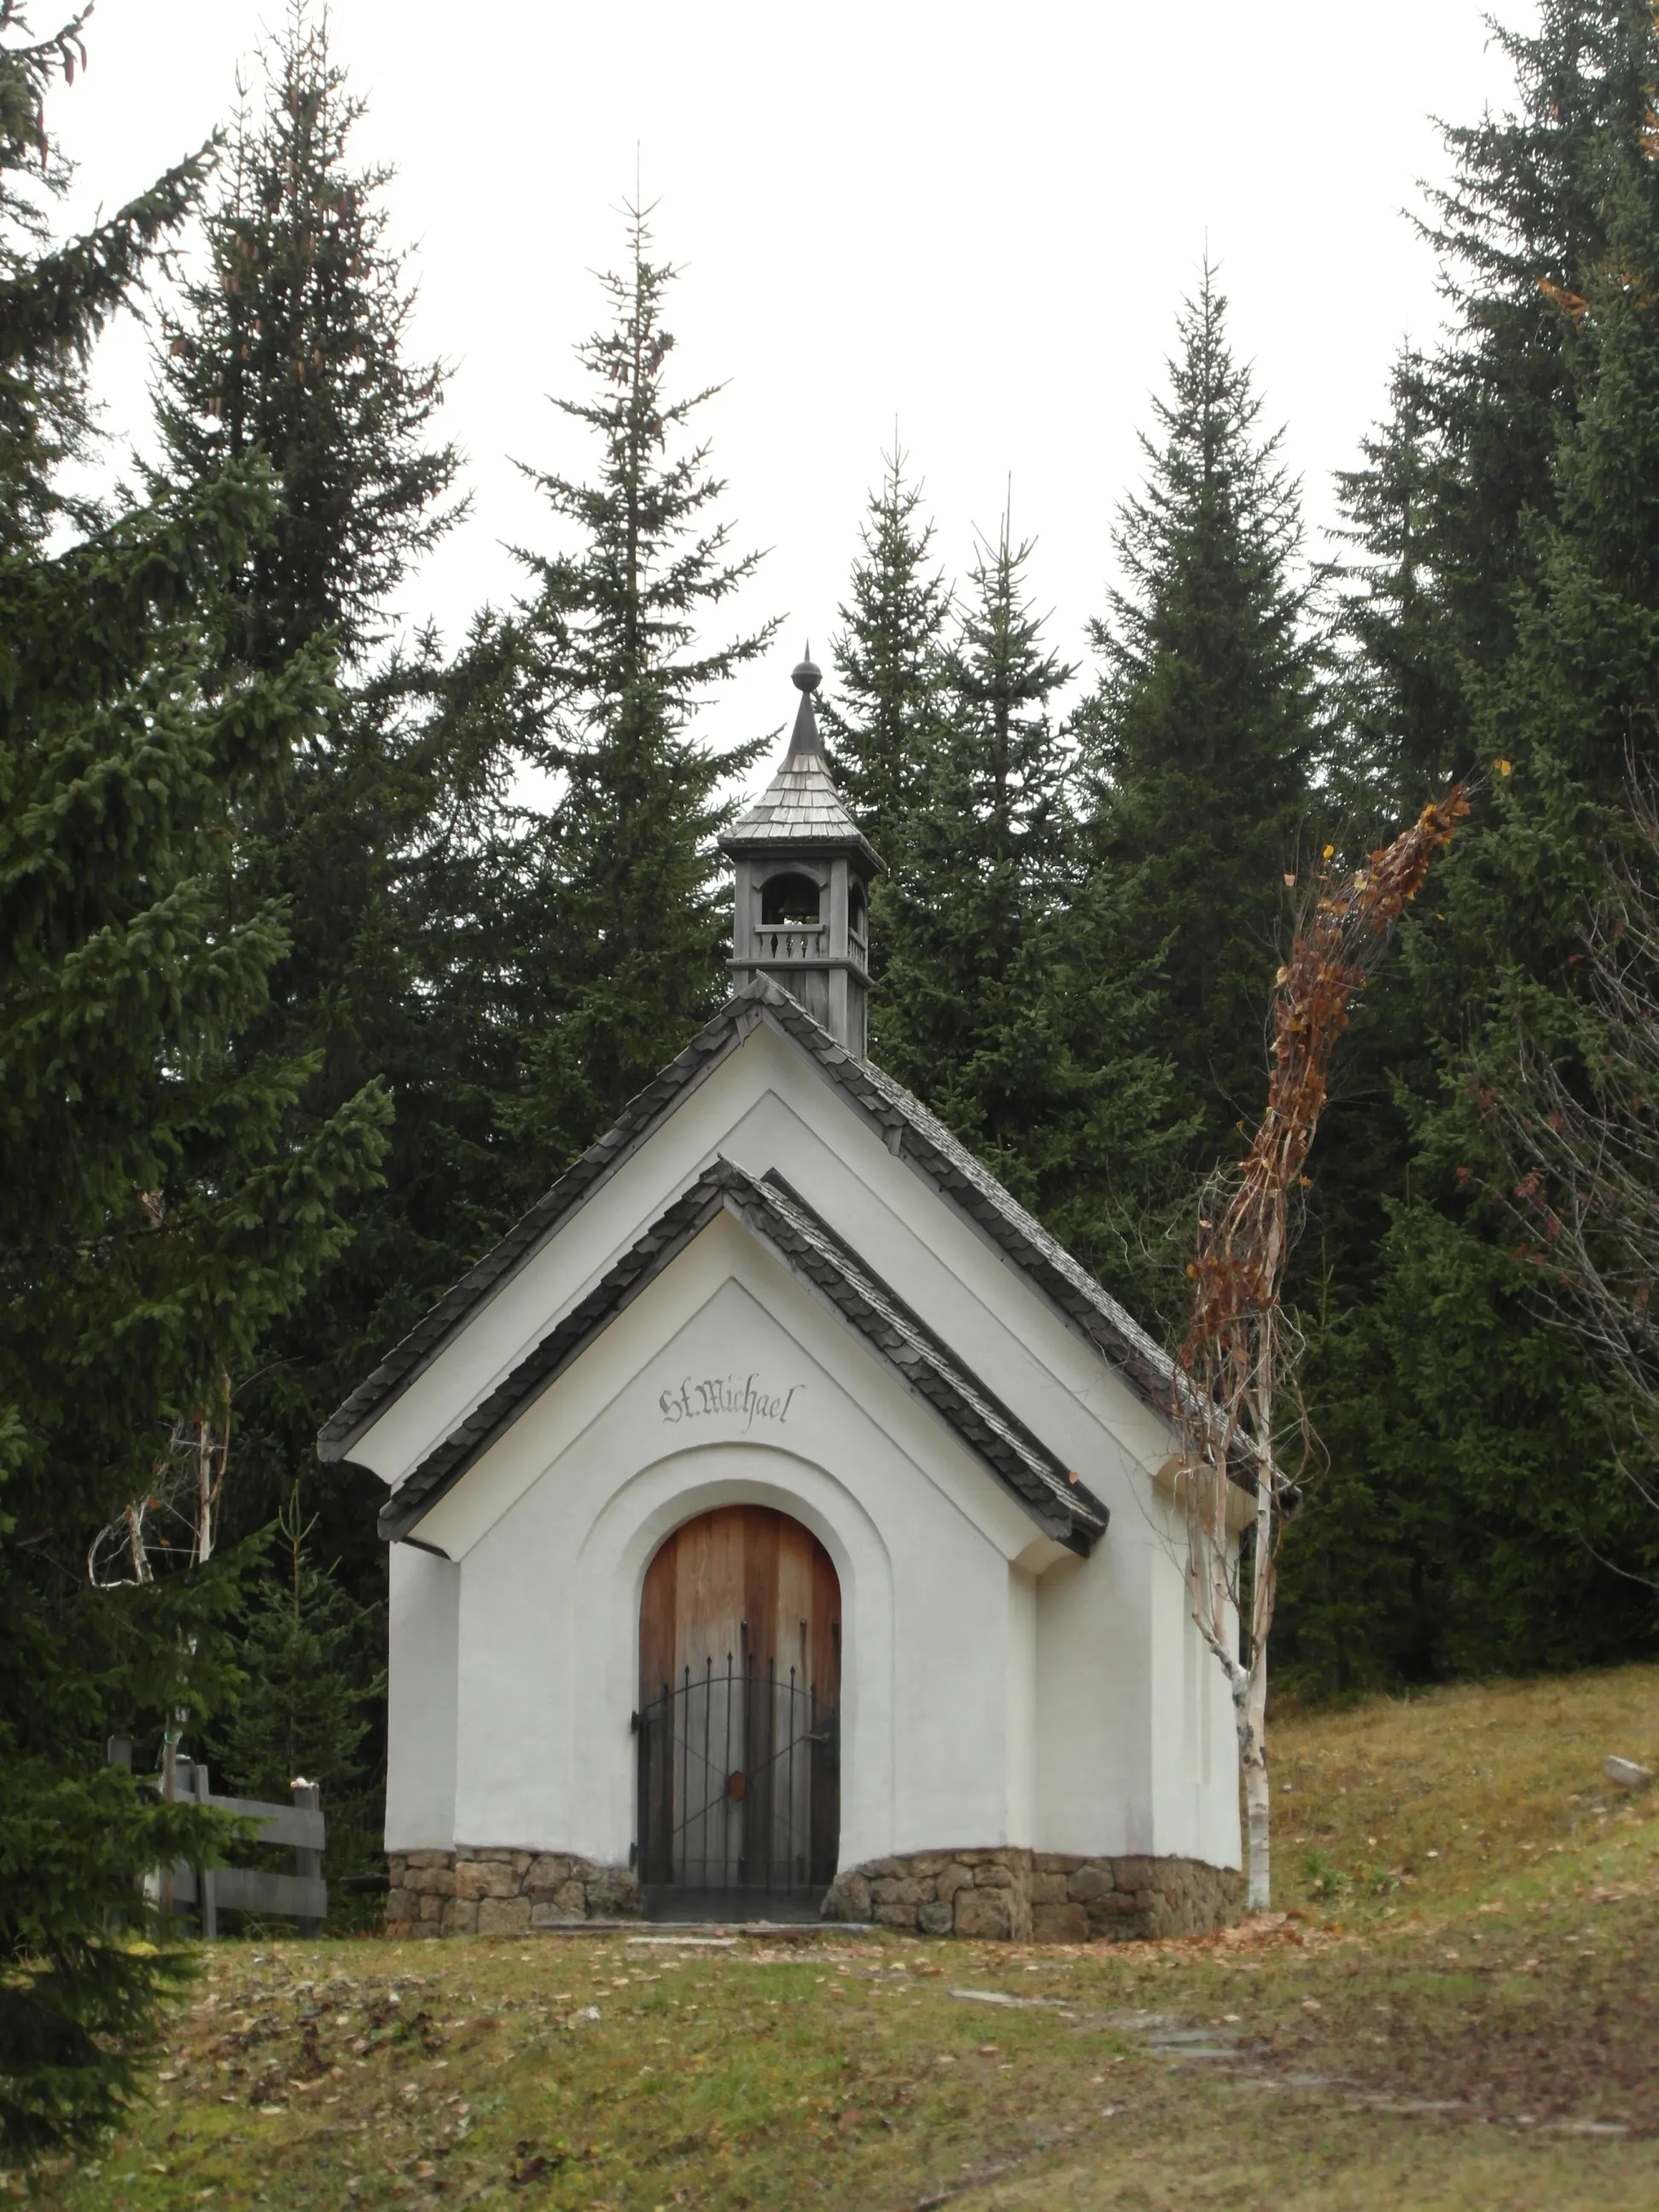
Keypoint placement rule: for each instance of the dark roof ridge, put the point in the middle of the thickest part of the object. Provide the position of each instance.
(1057, 1485)
(1109, 1326)
(908, 1129)
(414, 1353)
(1061, 1505)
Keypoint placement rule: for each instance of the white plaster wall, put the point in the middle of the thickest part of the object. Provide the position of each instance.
(1022, 1706)
(554, 1529)
(1195, 1791)
(1134, 1722)
(1094, 1666)
(1100, 1749)
(423, 1616)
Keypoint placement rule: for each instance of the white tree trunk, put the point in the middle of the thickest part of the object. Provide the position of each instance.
(1253, 1708)
(1258, 1801)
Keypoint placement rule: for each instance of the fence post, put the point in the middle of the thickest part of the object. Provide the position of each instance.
(309, 1794)
(117, 1751)
(207, 1895)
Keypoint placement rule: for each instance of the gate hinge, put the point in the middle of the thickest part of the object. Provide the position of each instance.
(633, 1723)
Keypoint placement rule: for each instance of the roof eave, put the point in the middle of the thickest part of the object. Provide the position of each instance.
(726, 1187)
(755, 844)
(413, 1354)
(885, 1104)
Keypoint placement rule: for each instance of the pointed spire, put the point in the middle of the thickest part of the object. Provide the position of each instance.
(806, 676)
(800, 806)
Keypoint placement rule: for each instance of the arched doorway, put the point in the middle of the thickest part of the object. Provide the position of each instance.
(738, 1720)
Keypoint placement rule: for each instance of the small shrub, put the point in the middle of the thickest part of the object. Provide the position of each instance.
(1321, 1877)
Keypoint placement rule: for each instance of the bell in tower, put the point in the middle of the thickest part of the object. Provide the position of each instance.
(803, 877)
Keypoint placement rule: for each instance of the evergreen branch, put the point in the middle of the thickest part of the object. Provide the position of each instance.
(63, 299)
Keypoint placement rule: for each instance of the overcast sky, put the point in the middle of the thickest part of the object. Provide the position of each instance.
(976, 220)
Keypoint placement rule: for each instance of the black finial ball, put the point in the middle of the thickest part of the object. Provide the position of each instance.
(806, 676)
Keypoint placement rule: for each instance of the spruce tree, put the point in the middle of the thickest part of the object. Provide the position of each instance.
(1523, 221)
(1542, 1496)
(992, 1006)
(157, 1207)
(293, 343)
(1444, 515)
(1405, 731)
(1449, 1538)
(314, 1679)
(1201, 735)
(885, 715)
(622, 926)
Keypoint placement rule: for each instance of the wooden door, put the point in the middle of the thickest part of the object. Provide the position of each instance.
(739, 1702)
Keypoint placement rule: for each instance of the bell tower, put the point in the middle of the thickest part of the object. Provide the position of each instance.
(804, 875)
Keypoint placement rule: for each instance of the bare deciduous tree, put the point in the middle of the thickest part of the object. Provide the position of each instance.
(1239, 1358)
(174, 1525)
(176, 1522)
(1583, 1143)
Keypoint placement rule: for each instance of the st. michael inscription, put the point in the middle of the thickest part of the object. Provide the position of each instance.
(699, 1397)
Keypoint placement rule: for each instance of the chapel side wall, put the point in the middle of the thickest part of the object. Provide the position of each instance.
(1220, 1827)
(1094, 1762)
(1176, 1787)
(424, 1639)
(1023, 1701)
(1194, 1747)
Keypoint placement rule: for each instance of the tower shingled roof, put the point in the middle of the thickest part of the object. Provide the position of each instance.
(800, 806)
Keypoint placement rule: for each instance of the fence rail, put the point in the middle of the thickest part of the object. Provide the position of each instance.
(300, 1826)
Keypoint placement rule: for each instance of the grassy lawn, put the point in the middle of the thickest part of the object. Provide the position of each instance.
(1457, 2006)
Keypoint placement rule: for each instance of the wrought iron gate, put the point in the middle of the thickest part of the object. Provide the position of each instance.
(739, 1781)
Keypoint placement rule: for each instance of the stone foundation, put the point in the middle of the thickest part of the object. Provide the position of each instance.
(501, 1893)
(1041, 1897)
(1007, 1894)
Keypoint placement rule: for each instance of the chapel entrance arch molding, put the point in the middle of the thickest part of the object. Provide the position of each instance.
(738, 1725)
(616, 1556)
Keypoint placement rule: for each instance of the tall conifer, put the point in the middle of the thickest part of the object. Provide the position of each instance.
(885, 712)
(293, 343)
(156, 1208)
(1202, 732)
(992, 1006)
(1452, 1536)
(315, 1673)
(622, 925)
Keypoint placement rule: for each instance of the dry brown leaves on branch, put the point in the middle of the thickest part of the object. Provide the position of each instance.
(1241, 1248)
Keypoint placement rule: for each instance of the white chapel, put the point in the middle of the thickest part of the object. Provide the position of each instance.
(780, 1523)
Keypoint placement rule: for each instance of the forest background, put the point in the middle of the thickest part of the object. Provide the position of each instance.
(326, 945)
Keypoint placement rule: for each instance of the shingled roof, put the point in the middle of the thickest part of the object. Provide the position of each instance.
(800, 806)
(1057, 1500)
(907, 1128)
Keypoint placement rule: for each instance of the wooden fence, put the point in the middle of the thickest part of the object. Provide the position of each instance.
(206, 1892)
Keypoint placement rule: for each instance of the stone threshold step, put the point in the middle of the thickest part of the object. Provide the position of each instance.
(708, 1931)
